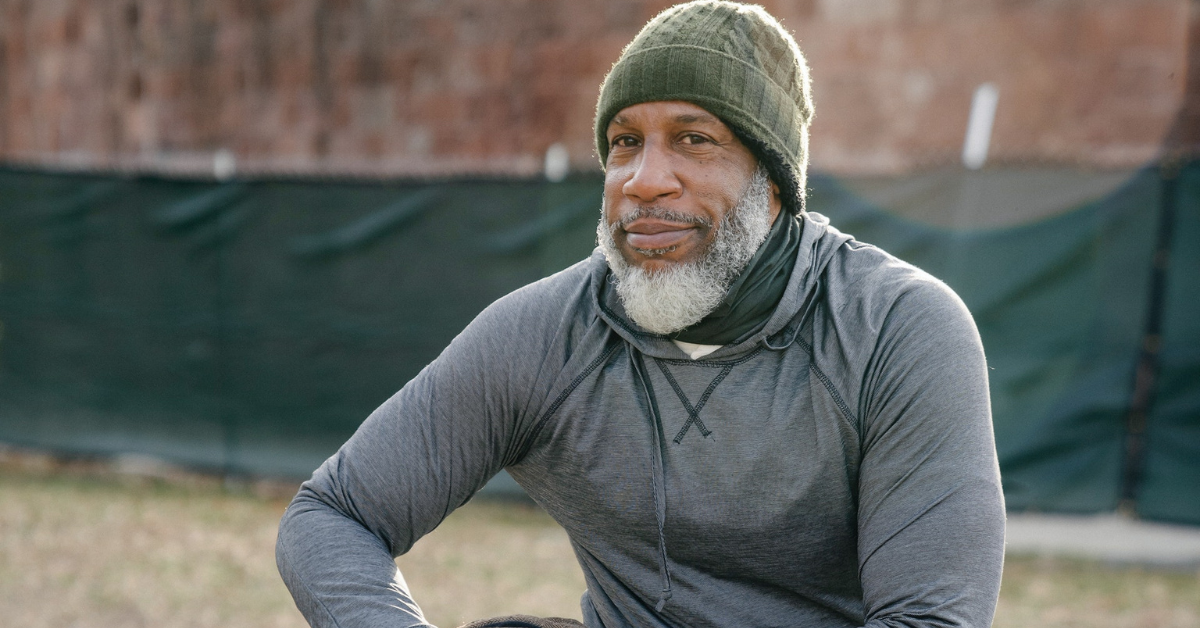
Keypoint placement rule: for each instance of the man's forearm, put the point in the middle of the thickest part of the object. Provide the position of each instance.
(340, 574)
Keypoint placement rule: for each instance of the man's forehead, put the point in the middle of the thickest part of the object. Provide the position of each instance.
(679, 112)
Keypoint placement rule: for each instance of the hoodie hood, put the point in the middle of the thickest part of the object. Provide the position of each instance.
(818, 243)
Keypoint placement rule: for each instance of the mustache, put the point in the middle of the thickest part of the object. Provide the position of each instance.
(660, 213)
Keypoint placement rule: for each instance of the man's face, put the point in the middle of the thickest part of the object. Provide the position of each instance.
(686, 206)
(674, 171)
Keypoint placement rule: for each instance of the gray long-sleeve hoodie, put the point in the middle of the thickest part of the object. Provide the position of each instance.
(836, 469)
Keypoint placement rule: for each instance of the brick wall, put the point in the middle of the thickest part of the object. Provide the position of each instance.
(456, 86)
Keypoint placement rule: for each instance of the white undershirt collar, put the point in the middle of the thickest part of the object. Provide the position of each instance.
(695, 351)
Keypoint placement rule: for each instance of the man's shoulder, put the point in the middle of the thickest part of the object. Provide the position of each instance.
(877, 286)
(884, 315)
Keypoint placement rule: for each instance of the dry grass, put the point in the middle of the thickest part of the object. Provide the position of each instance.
(1065, 593)
(494, 558)
(109, 552)
(81, 547)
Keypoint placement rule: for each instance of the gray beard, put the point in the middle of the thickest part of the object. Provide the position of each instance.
(678, 297)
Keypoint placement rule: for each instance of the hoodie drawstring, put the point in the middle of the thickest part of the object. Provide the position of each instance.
(658, 478)
(658, 470)
(812, 300)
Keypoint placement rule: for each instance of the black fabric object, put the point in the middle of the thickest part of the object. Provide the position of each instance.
(753, 295)
(524, 621)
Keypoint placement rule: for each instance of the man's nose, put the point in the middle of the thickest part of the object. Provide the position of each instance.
(653, 177)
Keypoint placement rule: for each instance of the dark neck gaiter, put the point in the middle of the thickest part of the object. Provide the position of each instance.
(754, 294)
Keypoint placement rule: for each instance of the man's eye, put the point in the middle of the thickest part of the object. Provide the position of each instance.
(624, 141)
(693, 138)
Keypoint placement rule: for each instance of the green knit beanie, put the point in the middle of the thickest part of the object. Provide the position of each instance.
(735, 61)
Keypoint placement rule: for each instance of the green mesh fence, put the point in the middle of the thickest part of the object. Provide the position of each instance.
(250, 326)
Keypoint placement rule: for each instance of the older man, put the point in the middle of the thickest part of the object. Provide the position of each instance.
(741, 416)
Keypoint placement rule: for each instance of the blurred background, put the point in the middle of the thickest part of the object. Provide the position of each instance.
(229, 229)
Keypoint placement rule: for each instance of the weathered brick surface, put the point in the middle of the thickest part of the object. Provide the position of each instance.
(455, 86)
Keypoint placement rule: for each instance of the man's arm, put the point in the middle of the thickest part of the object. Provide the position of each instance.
(931, 511)
(418, 457)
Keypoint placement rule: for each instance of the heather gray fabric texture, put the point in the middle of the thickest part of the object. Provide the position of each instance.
(835, 469)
